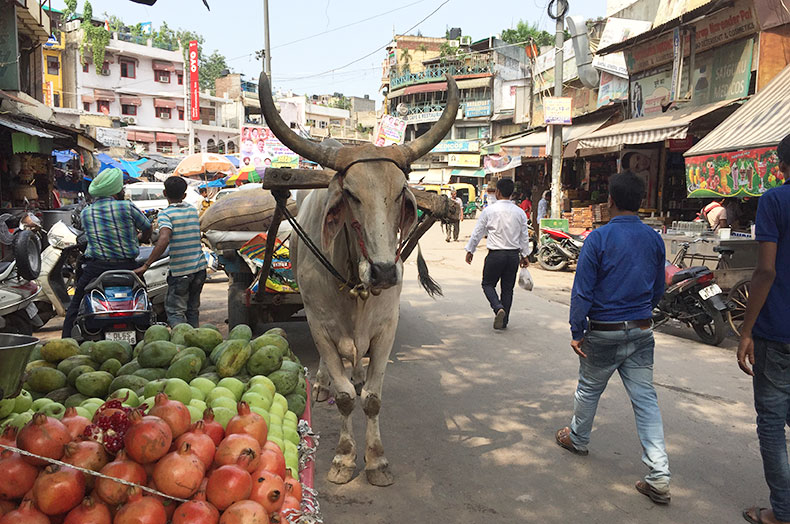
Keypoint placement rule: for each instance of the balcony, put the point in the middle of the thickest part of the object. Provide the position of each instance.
(440, 72)
(134, 39)
(164, 45)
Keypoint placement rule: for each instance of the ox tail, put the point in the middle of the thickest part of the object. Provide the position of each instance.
(429, 284)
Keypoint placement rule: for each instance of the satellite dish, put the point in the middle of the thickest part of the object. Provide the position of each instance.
(402, 110)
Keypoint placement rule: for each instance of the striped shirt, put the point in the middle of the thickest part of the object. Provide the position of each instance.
(186, 252)
(111, 228)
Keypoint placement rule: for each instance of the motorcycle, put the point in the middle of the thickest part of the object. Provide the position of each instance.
(18, 290)
(558, 249)
(693, 297)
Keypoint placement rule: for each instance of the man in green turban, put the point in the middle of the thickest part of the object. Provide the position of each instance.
(111, 225)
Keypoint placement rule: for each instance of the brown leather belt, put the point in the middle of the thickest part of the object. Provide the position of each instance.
(621, 326)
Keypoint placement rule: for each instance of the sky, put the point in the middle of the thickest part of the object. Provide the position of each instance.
(312, 51)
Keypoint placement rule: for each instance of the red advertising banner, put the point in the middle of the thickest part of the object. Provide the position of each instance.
(194, 82)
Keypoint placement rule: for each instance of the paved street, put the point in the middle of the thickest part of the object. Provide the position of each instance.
(469, 416)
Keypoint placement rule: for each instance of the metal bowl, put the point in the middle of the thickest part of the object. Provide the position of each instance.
(14, 354)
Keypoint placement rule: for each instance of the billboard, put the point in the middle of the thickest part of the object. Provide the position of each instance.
(194, 82)
(261, 149)
(392, 130)
(735, 174)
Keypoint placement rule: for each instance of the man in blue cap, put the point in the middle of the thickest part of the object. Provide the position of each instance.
(111, 225)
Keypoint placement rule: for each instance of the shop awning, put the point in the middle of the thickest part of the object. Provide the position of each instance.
(166, 137)
(657, 128)
(28, 129)
(471, 83)
(104, 95)
(761, 122)
(140, 136)
(471, 173)
(88, 99)
(474, 83)
(426, 88)
(131, 100)
(164, 102)
(162, 65)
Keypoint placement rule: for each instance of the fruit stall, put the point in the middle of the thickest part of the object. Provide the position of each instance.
(185, 427)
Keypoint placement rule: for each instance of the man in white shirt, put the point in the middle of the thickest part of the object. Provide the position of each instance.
(454, 225)
(716, 214)
(508, 245)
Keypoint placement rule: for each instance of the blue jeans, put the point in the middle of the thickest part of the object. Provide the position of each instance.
(630, 353)
(772, 403)
(182, 303)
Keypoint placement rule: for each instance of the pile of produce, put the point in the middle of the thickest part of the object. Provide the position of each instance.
(186, 413)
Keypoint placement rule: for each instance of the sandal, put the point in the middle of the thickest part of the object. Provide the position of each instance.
(757, 512)
(563, 439)
(658, 497)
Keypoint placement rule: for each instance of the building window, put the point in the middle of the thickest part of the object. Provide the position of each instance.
(56, 99)
(128, 109)
(163, 112)
(86, 106)
(105, 70)
(53, 66)
(323, 124)
(86, 68)
(103, 106)
(180, 114)
(164, 147)
(128, 69)
(162, 76)
(180, 77)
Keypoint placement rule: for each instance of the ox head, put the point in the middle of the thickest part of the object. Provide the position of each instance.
(370, 192)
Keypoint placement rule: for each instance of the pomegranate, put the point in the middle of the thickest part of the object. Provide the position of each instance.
(6, 506)
(148, 438)
(86, 454)
(197, 510)
(293, 488)
(230, 483)
(272, 459)
(268, 490)
(17, 474)
(202, 444)
(173, 412)
(114, 493)
(26, 514)
(8, 438)
(75, 423)
(243, 512)
(91, 511)
(140, 510)
(179, 473)
(231, 448)
(58, 489)
(44, 436)
(248, 422)
(213, 428)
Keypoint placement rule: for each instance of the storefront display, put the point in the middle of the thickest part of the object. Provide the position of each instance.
(734, 174)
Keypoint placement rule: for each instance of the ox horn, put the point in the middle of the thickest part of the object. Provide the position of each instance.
(307, 148)
(417, 148)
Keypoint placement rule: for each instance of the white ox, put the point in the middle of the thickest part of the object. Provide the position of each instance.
(359, 221)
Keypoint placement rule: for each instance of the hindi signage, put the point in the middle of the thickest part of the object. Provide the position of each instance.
(463, 160)
(557, 110)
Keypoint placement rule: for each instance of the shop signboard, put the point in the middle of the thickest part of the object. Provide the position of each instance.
(194, 82)
(421, 118)
(9, 51)
(557, 110)
(463, 160)
(261, 149)
(612, 89)
(475, 108)
(746, 173)
(617, 30)
(111, 137)
(713, 31)
(457, 146)
(392, 130)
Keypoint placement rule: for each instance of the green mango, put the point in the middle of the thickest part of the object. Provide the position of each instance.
(157, 354)
(178, 332)
(190, 352)
(271, 339)
(112, 365)
(204, 338)
(95, 384)
(153, 387)
(150, 373)
(277, 331)
(59, 349)
(185, 368)
(132, 382)
(70, 363)
(76, 372)
(155, 333)
(264, 361)
(285, 381)
(75, 400)
(36, 353)
(233, 359)
(128, 368)
(233, 345)
(45, 379)
(240, 332)
(61, 394)
(107, 349)
(85, 347)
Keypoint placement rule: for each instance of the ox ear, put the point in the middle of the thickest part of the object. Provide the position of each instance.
(408, 214)
(334, 214)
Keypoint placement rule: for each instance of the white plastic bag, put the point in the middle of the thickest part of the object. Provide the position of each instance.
(525, 279)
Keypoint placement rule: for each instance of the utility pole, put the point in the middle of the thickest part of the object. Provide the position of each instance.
(267, 49)
(556, 130)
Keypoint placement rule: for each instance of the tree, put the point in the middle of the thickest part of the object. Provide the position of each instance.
(96, 37)
(527, 32)
(211, 68)
(70, 11)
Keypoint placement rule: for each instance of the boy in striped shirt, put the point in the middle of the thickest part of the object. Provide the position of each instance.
(179, 227)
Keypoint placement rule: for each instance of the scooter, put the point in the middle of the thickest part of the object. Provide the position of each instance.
(558, 249)
(693, 297)
(18, 313)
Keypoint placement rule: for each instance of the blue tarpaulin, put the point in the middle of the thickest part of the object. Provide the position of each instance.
(233, 160)
(63, 156)
(131, 168)
(220, 182)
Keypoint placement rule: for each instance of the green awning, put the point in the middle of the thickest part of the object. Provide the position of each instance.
(472, 173)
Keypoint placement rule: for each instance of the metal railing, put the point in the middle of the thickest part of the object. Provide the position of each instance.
(431, 107)
(164, 45)
(134, 39)
(438, 73)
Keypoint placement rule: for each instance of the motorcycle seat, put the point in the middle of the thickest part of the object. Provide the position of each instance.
(685, 274)
(119, 278)
(145, 252)
(579, 238)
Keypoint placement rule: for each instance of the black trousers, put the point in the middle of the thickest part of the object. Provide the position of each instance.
(501, 267)
(89, 271)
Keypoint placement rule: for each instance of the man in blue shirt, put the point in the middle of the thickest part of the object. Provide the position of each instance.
(619, 280)
(765, 342)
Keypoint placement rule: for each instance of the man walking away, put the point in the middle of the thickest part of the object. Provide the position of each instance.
(508, 247)
(179, 228)
(111, 225)
(454, 225)
(619, 280)
(765, 342)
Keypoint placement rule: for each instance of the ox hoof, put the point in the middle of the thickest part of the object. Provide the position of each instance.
(380, 476)
(358, 388)
(320, 393)
(340, 474)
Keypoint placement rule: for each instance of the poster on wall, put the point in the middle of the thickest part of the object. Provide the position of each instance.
(261, 149)
(392, 131)
(643, 163)
(735, 174)
(612, 89)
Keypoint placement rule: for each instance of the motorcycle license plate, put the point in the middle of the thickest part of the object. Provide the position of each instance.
(119, 336)
(710, 291)
(31, 310)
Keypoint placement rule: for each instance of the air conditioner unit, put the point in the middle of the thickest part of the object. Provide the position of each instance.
(453, 43)
(129, 120)
(466, 40)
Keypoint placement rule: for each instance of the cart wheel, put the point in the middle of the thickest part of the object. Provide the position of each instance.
(738, 297)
